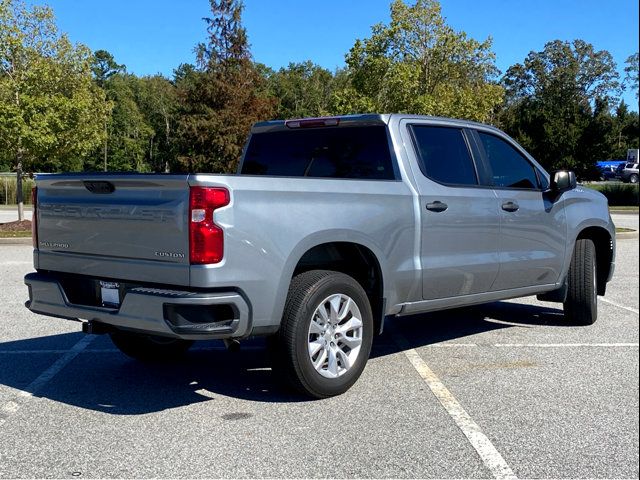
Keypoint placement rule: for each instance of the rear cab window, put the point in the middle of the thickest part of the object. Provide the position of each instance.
(352, 152)
(443, 155)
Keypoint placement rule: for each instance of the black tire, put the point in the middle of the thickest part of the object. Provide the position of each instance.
(581, 304)
(150, 348)
(633, 178)
(290, 347)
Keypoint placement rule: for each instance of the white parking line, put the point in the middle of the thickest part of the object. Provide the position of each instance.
(478, 440)
(564, 345)
(45, 377)
(632, 310)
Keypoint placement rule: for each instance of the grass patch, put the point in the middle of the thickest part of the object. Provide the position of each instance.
(622, 208)
(27, 208)
(19, 234)
(618, 194)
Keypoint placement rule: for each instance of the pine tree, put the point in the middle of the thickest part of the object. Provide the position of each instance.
(222, 97)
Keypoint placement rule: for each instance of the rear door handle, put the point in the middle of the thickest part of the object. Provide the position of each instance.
(510, 207)
(437, 206)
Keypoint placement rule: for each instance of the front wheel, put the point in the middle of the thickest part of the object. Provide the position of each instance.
(633, 178)
(149, 348)
(581, 304)
(326, 333)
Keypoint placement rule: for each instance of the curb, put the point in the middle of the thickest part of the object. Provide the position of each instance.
(624, 212)
(16, 241)
(626, 235)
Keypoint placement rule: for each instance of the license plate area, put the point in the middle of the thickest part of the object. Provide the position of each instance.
(110, 294)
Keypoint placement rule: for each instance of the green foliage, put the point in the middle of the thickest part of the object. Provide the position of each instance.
(558, 105)
(104, 66)
(618, 194)
(626, 132)
(139, 133)
(129, 134)
(631, 72)
(51, 112)
(419, 64)
(302, 90)
(158, 102)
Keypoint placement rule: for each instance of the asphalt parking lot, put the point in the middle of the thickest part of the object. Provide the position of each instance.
(502, 390)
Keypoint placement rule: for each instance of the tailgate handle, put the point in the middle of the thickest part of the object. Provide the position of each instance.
(99, 187)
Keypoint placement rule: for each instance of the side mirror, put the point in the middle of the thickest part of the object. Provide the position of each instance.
(563, 180)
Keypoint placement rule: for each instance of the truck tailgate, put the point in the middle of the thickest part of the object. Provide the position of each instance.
(125, 226)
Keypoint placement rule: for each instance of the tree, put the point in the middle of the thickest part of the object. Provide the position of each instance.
(158, 102)
(302, 90)
(104, 66)
(597, 140)
(626, 131)
(419, 64)
(556, 102)
(222, 98)
(128, 132)
(51, 112)
(631, 71)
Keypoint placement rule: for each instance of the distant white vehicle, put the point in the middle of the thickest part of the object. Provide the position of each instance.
(629, 173)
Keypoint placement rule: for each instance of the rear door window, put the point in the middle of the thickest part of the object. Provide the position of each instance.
(443, 155)
(509, 167)
(340, 152)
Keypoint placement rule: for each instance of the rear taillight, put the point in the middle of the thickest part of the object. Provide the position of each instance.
(206, 239)
(34, 216)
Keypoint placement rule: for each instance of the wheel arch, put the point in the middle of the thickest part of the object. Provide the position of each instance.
(604, 245)
(343, 252)
(355, 260)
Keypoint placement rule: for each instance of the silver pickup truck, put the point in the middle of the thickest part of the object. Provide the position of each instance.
(330, 226)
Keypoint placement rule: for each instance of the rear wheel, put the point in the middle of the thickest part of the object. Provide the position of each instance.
(149, 347)
(581, 304)
(633, 178)
(326, 333)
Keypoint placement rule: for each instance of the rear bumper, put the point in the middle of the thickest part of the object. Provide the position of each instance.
(171, 313)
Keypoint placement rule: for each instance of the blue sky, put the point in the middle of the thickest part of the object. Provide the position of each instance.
(151, 36)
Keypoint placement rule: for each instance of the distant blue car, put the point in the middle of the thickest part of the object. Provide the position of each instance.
(609, 169)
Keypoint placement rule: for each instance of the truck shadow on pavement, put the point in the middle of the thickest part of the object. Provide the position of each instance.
(100, 378)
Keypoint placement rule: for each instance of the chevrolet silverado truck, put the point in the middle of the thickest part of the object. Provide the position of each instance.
(330, 226)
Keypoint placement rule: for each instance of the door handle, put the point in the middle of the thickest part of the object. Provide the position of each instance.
(510, 207)
(437, 206)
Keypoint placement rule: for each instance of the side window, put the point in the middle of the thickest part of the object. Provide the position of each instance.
(443, 155)
(510, 168)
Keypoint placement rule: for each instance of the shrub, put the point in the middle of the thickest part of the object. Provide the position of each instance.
(618, 194)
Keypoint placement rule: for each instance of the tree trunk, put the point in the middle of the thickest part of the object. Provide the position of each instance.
(106, 139)
(19, 199)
